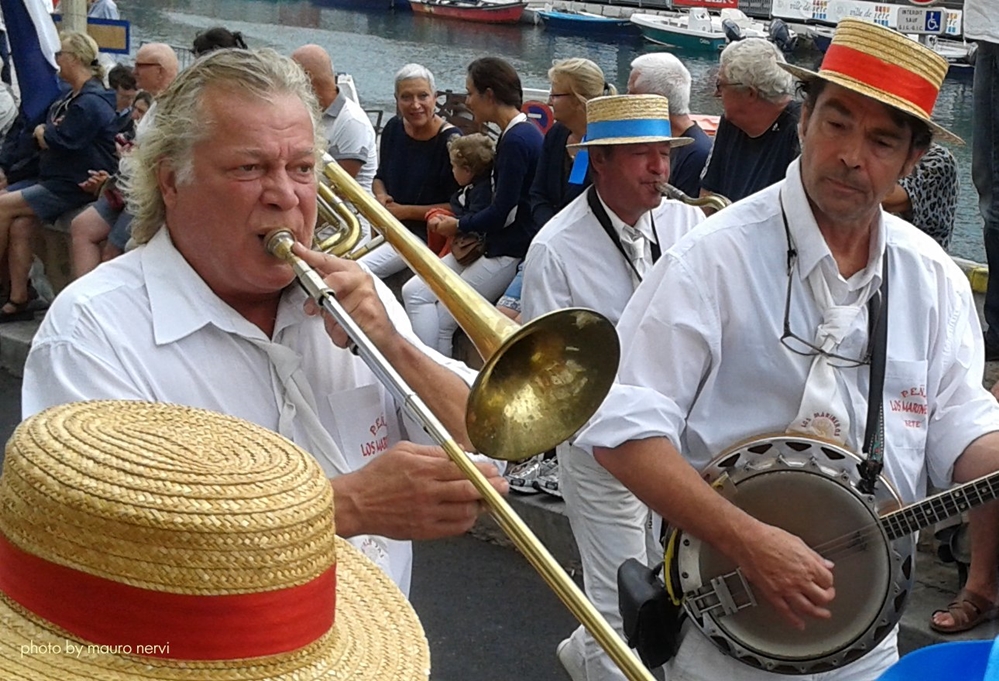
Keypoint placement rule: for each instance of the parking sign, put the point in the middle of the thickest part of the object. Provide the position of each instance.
(919, 20)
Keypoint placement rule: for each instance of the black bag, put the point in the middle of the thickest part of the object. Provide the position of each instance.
(651, 619)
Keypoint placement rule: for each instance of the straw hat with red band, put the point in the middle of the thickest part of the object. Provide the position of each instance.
(883, 65)
(150, 541)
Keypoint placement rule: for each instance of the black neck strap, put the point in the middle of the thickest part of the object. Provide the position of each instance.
(598, 210)
(877, 325)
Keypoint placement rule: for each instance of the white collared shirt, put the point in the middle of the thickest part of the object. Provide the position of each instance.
(573, 263)
(145, 326)
(703, 364)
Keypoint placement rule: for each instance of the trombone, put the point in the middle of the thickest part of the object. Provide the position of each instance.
(540, 383)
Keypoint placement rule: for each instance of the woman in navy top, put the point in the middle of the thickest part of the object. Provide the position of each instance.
(77, 137)
(414, 169)
(494, 96)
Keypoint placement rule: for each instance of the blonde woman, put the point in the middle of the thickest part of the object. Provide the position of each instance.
(573, 83)
(77, 137)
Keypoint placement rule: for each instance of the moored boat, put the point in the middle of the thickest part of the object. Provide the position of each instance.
(696, 29)
(587, 23)
(482, 11)
(960, 55)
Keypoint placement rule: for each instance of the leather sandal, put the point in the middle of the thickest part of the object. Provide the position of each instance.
(16, 312)
(968, 610)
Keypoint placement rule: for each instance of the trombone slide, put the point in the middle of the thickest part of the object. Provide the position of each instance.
(279, 243)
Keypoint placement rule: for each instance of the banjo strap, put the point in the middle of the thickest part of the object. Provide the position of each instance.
(874, 435)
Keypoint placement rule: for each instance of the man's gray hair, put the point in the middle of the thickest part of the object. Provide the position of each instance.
(181, 120)
(412, 72)
(753, 62)
(661, 73)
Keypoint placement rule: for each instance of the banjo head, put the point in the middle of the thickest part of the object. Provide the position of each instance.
(805, 487)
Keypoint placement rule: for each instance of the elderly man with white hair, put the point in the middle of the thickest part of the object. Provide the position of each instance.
(758, 134)
(661, 73)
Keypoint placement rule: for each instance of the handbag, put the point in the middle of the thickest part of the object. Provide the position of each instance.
(467, 248)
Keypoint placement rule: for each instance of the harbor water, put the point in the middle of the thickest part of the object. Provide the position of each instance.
(371, 44)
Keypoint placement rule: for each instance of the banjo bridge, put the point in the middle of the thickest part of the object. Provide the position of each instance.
(725, 595)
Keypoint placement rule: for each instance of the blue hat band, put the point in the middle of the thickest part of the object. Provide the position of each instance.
(637, 127)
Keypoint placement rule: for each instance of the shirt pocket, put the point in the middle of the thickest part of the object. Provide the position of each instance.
(365, 425)
(906, 409)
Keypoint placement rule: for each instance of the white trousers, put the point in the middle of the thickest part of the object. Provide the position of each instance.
(431, 320)
(609, 524)
(384, 261)
(699, 660)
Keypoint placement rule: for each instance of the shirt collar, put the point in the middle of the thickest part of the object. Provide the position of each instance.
(516, 119)
(813, 251)
(643, 226)
(182, 303)
(334, 109)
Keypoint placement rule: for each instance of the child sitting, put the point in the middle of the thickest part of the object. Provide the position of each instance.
(471, 163)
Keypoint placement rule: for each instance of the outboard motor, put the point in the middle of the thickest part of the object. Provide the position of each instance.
(783, 37)
(732, 30)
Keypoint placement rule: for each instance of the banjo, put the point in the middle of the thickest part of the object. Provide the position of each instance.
(791, 482)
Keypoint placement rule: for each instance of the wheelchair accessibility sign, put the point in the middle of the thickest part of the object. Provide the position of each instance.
(920, 20)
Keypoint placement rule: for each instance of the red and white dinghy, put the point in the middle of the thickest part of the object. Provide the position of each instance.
(482, 11)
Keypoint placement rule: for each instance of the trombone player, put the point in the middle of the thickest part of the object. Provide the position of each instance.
(200, 314)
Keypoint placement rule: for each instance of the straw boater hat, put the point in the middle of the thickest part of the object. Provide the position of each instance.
(147, 541)
(884, 65)
(629, 119)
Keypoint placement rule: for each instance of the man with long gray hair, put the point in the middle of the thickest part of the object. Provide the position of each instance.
(661, 73)
(200, 314)
(757, 137)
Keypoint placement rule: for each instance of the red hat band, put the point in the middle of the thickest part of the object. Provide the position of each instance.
(892, 79)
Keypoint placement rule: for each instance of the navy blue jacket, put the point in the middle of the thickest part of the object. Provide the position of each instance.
(551, 191)
(80, 133)
(470, 199)
(513, 172)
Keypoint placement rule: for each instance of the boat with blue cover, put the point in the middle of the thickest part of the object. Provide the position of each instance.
(580, 22)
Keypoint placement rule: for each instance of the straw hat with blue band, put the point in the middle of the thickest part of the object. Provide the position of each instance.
(886, 66)
(151, 541)
(624, 119)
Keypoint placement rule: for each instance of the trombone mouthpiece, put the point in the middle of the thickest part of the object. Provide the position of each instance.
(279, 242)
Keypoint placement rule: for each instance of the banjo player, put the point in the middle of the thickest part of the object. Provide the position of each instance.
(760, 321)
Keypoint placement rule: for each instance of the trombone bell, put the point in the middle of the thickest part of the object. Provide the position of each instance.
(541, 381)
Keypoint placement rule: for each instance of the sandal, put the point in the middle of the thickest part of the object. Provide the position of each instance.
(16, 312)
(968, 610)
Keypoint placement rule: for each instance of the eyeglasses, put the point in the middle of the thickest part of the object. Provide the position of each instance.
(800, 346)
(556, 95)
(143, 64)
(720, 84)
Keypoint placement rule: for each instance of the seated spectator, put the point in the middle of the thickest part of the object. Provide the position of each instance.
(757, 135)
(102, 231)
(927, 197)
(77, 136)
(471, 163)
(122, 81)
(573, 83)
(217, 38)
(494, 96)
(156, 67)
(350, 137)
(414, 168)
(661, 73)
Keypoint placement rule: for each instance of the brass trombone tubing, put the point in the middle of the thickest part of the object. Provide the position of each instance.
(279, 243)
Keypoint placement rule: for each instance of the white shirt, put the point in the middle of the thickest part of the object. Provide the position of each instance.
(103, 9)
(703, 364)
(145, 326)
(573, 263)
(981, 20)
(350, 136)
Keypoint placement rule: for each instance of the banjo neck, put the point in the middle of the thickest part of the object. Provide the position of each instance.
(918, 516)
